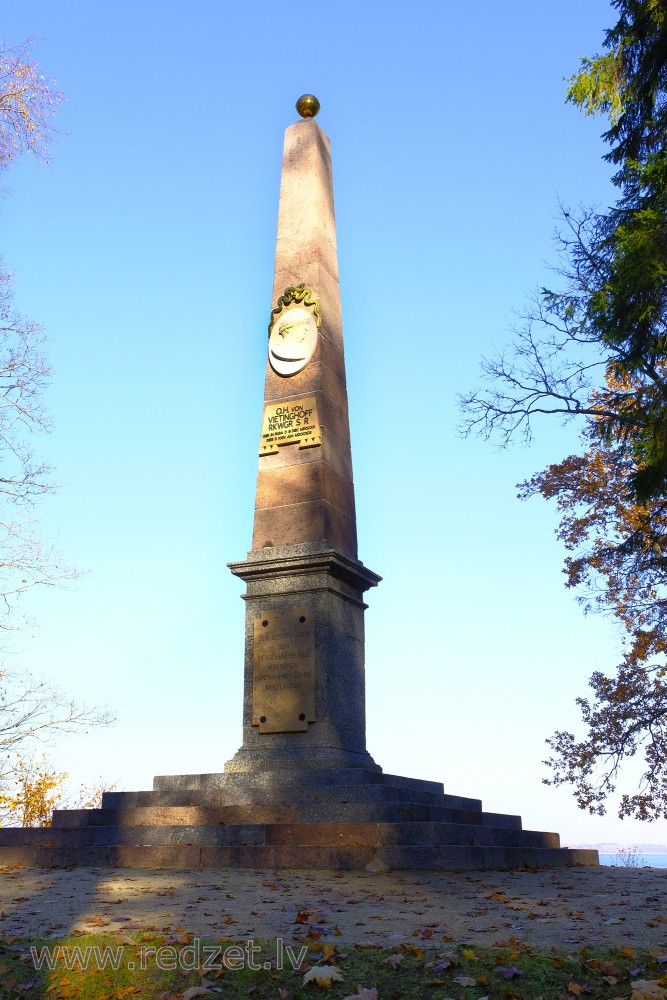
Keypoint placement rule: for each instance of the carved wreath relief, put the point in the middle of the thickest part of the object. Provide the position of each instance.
(293, 328)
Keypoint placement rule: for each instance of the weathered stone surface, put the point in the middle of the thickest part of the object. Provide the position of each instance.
(331, 586)
(353, 849)
(312, 521)
(180, 857)
(338, 858)
(177, 836)
(330, 452)
(305, 483)
(466, 857)
(25, 856)
(323, 834)
(175, 816)
(67, 856)
(43, 837)
(306, 222)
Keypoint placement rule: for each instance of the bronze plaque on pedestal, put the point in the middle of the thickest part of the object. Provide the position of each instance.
(293, 422)
(283, 671)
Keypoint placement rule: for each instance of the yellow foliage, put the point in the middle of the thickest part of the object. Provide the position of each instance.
(37, 792)
(27, 103)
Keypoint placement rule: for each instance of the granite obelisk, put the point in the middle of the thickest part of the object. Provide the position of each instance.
(304, 703)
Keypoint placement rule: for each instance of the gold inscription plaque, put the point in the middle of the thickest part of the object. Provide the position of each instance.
(294, 422)
(283, 671)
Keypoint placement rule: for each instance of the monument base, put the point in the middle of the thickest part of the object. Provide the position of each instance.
(316, 594)
(338, 818)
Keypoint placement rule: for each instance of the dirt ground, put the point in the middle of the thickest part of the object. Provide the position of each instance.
(566, 908)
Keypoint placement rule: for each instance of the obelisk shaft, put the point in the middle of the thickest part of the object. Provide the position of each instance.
(307, 494)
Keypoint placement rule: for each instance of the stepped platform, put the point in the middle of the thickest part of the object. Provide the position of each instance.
(341, 819)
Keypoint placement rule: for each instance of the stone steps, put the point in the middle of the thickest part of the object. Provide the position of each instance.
(242, 794)
(98, 834)
(288, 778)
(342, 819)
(281, 856)
(314, 812)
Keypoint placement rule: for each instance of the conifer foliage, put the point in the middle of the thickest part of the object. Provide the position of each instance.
(595, 349)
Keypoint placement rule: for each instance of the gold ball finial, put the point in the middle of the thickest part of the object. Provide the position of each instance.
(308, 106)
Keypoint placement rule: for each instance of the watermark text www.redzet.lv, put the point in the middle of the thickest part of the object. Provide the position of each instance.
(197, 955)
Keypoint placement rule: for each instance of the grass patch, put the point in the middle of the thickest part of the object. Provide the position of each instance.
(159, 967)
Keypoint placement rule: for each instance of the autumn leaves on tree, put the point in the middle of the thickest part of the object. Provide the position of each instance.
(30, 709)
(596, 349)
(615, 560)
(27, 103)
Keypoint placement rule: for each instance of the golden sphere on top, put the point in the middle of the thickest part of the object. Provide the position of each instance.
(308, 106)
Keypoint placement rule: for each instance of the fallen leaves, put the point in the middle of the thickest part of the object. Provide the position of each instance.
(603, 966)
(512, 970)
(648, 989)
(443, 964)
(393, 960)
(487, 950)
(422, 932)
(195, 991)
(121, 992)
(507, 971)
(322, 975)
(464, 981)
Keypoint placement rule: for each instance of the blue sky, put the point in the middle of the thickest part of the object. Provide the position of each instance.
(146, 249)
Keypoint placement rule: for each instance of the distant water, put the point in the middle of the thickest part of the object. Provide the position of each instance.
(639, 861)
